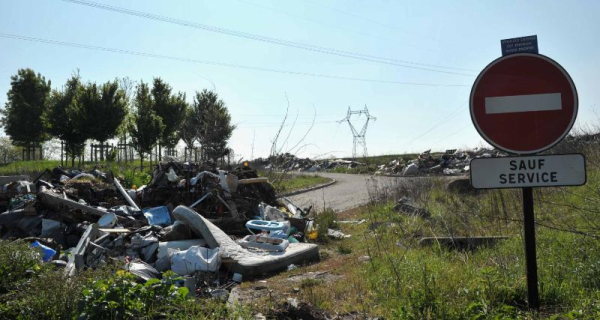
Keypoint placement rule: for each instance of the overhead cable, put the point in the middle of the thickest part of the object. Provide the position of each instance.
(222, 64)
(256, 37)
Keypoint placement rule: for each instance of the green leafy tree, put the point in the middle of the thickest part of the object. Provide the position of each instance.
(64, 117)
(145, 127)
(214, 126)
(188, 130)
(171, 108)
(8, 151)
(103, 109)
(24, 118)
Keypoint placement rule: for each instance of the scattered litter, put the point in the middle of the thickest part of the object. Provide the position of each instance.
(142, 270)
(336, 234)
(108, 220)
(194, 259)
(364, 258)
(292, 267)
(406, 205)
(165, 247)
(361, 221)
(237, 278)
(47, 252)
(158, 216)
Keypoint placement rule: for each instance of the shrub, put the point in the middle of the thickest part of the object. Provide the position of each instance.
(17, 262)
(121, 297)
(324, 221)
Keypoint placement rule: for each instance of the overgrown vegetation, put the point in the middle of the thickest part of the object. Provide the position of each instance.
(384, 271)
(31, 289)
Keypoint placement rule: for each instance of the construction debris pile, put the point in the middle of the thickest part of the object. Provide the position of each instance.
(289, 162)
(452, 162)
(183, 221)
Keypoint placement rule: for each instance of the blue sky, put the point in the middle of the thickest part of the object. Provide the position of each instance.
(457, 34)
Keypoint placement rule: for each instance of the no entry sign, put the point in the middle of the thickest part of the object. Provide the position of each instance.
(523, 103)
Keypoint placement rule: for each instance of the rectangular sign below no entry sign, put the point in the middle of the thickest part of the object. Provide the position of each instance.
(533, 171)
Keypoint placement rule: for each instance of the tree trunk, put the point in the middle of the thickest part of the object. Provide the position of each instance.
(72, 161)
(101, 150)
(141, 161)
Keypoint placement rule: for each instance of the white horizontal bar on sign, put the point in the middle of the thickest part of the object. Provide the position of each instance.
(524, 103)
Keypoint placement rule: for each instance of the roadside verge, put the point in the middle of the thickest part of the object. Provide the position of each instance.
(320, 186)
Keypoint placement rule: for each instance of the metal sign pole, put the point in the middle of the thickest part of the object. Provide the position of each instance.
(533, 300)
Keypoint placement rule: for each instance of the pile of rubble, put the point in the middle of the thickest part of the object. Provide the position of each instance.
(451, 162)
(187, 224)
(289, 162)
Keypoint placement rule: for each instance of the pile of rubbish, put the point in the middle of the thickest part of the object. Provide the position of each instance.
(451, 162)
(289, 162)
(184, 220)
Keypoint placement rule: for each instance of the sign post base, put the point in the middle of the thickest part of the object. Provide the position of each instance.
(533, 297)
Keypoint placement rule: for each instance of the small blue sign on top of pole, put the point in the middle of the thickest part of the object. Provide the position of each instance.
(527, 44)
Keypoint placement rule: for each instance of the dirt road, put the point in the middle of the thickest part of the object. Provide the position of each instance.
(350, 191)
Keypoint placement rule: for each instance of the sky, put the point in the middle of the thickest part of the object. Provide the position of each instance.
(433, 51)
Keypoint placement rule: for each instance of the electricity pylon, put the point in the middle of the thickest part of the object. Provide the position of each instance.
(359, 136)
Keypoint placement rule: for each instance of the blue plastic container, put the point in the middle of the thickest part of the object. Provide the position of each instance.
(158, 216)
(47, 252)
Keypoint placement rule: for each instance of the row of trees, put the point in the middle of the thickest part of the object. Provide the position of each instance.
(144, 115)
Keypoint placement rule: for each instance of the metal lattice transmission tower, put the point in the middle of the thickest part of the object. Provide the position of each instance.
(359, 136)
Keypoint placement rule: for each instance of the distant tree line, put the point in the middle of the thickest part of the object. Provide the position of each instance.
(147, 116)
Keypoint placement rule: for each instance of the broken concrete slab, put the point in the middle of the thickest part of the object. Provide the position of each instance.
(76, 259)
(55, 202)
(8, 179)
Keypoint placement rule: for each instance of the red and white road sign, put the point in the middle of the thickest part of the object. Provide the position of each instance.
(523, 103)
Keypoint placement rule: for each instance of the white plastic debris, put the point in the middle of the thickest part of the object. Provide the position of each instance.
(171, 175)
(108, 220)
(194, 259)
(83, 175)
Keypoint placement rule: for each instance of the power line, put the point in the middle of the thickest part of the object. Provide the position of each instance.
(222, 64)
(452, 134)
(449, 117)
(367, 19)
(256, 37)
(347, 30)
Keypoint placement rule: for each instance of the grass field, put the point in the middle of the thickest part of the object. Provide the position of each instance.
(294, 182)
(383, 271)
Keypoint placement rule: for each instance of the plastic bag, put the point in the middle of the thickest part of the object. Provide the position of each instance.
(194, 259)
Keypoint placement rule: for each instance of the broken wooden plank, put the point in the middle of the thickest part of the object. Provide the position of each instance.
(55, 201)
(115, 230)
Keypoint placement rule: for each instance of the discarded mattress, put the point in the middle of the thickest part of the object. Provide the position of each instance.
(237, 259)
